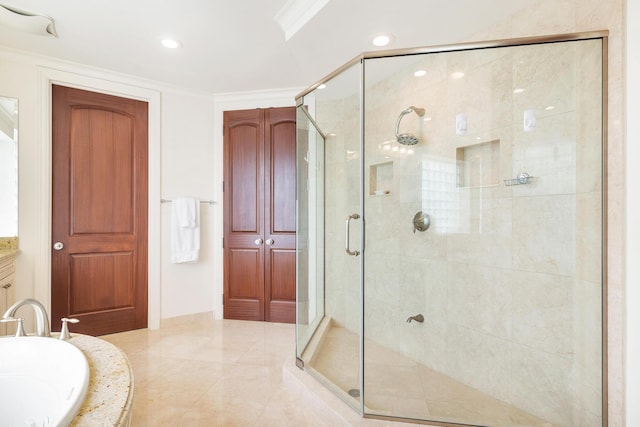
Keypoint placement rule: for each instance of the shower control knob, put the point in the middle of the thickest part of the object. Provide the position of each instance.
(270, 242)
(258, 241)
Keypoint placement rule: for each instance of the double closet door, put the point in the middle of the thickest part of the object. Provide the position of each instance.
(259, 214)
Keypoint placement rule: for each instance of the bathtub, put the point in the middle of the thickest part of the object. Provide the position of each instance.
(43, 381)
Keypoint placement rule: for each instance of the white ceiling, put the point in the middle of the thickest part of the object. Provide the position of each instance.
(235, 45)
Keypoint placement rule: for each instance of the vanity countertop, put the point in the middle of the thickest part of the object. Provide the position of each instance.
(110, 395)
(8, 245)
(6, 253)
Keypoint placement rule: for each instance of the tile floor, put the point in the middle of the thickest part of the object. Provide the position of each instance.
(196, 371)
(398, 385)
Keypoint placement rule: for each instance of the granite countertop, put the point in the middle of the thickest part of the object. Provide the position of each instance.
(110, 395)
(8, 244)
(5, 253)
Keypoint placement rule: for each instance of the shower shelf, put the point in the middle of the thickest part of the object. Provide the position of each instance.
(522, 179)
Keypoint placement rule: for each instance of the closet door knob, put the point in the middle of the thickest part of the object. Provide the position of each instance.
(258, 241)
(270, 242)
(58, 246)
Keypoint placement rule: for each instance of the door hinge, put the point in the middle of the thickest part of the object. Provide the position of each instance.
(223, 243)
(223, 186)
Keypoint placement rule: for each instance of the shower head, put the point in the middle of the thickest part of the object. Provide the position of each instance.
(407, 138)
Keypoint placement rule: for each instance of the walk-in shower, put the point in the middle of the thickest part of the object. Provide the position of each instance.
(471, 290)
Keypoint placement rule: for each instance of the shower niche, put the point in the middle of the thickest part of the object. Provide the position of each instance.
(508, 277)
(381, 179)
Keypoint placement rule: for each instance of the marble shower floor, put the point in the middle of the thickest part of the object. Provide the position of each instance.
(197, 371)
(398, 385)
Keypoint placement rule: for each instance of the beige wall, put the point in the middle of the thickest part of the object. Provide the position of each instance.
(552, 17)
(632, 290)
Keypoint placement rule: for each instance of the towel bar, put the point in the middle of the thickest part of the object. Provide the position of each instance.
(209, 202)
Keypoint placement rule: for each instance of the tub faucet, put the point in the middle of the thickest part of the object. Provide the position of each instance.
(417, 318)
(42, 320)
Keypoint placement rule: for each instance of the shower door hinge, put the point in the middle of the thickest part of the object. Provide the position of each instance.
(300, 363)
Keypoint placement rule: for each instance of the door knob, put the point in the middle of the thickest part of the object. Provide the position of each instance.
(58, 246)
(258, 241)
(270, 242)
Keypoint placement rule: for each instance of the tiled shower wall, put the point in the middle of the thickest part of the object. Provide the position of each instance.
(507, 278)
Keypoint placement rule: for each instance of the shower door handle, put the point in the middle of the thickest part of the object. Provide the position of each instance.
(346, 238)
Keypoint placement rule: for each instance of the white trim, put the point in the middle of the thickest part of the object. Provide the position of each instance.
(47, 77)
(53, 63)
(227, 102)
(295, 14)
(632, 235)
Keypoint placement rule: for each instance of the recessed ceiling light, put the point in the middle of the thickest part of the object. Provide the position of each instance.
(420, 73)
(171, 43)
(382, 39)
(518, 90)
(550, 107)
(457, 75)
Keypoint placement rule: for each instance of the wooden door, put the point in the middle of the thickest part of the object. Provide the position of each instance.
(280, 215)
(259, 223)
(99, 217)
(244, 215)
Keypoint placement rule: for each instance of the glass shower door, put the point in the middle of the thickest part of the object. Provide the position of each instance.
(483, 247)
(330, 233)
(310, 229)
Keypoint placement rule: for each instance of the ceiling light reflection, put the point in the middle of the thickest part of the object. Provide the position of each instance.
(171, 43)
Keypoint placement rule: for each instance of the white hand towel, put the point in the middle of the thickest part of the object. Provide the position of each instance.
(185, 230)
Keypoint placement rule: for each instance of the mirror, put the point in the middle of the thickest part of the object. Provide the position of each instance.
(8, 167)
